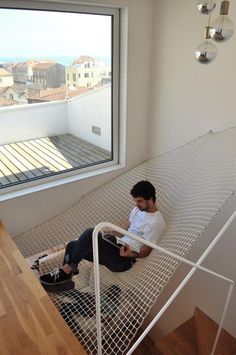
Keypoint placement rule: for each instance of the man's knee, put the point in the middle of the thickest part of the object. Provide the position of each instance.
(86, 235)
(89, 231)
(70, 245)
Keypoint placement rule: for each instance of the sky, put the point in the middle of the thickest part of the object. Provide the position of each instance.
(43, 33)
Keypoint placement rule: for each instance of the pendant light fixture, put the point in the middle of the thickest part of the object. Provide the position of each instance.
(219, 31)
(206, 52)
(222, 28)
(206, 7)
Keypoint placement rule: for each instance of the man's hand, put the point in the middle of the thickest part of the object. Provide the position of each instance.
(107, 231)
(145, 250)
(113, 232)
(126, 251)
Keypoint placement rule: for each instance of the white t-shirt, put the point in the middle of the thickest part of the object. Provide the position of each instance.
(147, 225)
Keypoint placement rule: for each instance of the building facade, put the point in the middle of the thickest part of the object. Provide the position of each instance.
(16, 93)
(6, 78)
(49, 74)
(23, 72)
(86, 72)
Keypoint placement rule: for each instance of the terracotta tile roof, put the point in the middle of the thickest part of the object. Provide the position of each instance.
(84, 59)
(28, 63)
(78, 91)
(44, 64)
(55, 94)
(33, 94)
(19, 89)
(6, 102)
(2, 90)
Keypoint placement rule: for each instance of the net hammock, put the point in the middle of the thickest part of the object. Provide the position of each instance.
(192, 182)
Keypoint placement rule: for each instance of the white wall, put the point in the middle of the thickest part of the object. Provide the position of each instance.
(187, 98)
(24, 212)
(91, 109)
(32, 121)
(76, 116)
(6, 81)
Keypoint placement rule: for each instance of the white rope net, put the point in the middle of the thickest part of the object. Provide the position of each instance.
(193, 183)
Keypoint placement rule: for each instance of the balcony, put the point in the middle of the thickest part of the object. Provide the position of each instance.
(42, 140)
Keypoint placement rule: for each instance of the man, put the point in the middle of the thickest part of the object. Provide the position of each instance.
(145, 221)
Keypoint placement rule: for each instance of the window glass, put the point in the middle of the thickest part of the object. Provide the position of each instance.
(52, 60)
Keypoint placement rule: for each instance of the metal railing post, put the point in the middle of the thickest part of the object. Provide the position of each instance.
(97, 287)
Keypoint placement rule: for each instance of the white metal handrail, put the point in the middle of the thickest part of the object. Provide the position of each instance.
(195, 267)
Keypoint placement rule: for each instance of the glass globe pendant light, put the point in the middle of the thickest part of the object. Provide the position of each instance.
(206, 52)
(206, 6)
(222, 28)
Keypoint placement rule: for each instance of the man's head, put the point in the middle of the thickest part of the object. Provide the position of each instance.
(144, 195)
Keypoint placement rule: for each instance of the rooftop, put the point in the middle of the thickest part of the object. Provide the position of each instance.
(4, 101)
(44, 64)
(84, 59)
(55, 94)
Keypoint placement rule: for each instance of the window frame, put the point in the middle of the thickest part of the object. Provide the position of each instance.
(80, 173)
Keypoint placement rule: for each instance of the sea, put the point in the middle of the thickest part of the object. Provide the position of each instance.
(64, 60)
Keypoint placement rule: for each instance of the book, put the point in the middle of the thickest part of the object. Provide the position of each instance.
(118, 242)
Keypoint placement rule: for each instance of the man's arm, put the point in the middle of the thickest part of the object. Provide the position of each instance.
(145, 250)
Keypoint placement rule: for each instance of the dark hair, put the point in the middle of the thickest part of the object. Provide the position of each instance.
(144, 189)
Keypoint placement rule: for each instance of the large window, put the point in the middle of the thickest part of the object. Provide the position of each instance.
(58, 80)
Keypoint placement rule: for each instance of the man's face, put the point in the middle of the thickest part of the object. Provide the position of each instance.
(142, 204)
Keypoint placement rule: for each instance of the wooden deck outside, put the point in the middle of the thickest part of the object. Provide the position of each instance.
(37, 158)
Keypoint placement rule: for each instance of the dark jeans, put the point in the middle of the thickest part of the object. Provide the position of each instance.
(109, 255)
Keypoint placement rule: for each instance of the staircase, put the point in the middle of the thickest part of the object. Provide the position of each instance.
(194, 337)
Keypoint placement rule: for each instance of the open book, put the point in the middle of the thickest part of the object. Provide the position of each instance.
(118, 242)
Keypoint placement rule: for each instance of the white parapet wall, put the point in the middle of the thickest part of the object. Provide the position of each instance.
(24, 122)
(92, 109)
(80, 116)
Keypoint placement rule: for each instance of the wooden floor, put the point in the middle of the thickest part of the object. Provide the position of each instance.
(37, 158)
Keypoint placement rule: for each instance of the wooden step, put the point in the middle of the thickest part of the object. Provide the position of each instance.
(29, 321)
(146, 347)
(182, 341)
(206, 330)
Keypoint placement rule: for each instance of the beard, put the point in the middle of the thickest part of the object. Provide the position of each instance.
(144, 209)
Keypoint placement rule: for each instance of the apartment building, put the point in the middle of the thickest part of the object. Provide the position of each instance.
(6, 78)
(23, 72)
(87, 72)
(17, 93)
(49, 74)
